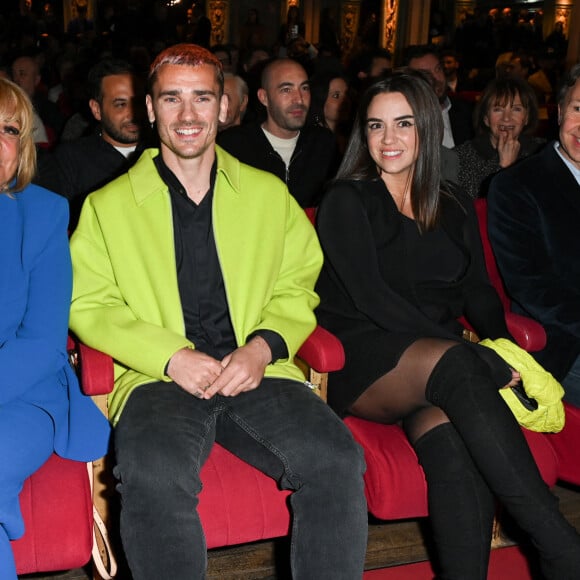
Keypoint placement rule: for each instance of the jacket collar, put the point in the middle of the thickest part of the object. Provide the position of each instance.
(146, 181)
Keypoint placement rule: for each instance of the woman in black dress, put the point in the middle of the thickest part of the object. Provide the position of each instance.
(403, 262)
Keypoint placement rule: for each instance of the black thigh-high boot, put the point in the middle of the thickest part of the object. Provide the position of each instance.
(461, 505)
(461, 385)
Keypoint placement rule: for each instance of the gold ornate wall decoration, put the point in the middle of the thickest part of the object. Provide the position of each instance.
(218, 14)
(463, 9)
(562, 14)
(70, 9)
(389, 31)
(349, 25)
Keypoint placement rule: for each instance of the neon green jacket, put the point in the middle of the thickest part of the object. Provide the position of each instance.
(539, 384)
(125, 295)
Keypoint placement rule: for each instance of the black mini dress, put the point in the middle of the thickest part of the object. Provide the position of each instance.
(385, 284)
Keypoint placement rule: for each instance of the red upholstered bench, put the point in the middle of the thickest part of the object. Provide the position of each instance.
(57, 507)
(567, 446)
(394, 482)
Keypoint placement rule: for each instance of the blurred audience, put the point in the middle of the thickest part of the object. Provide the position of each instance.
(236, 89)
(457, 114)
(331, 106)
(304, 156)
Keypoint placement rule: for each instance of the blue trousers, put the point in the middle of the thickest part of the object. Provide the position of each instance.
(164, 436)
(26, 442)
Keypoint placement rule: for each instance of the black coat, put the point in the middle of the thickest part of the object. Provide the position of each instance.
(461, 120)
(76, 168)
(534, 212)
(314, 161)
(369, 298)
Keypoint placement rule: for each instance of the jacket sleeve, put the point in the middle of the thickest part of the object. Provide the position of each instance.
(37, 350)
(521, 248)
(289, 311)
(349, 247)
(100, 315)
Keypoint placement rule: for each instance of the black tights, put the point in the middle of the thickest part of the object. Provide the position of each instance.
(470, 446)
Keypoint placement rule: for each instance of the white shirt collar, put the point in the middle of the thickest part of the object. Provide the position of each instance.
(575, 170)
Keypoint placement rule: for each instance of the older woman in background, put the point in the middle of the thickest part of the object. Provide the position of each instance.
(38, 388)
(505, 117)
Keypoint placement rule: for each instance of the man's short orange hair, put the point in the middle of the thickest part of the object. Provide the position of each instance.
(186, 55)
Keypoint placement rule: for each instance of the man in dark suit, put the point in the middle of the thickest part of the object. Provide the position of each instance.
(534, 212)
(457, 113)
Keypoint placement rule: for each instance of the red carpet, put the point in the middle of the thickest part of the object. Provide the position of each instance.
(505, 563)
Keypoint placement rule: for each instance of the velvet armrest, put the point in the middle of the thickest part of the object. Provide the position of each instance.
(94, 368)
(322, 351)
(529, 334)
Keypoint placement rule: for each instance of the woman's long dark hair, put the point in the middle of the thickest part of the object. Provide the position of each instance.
(426, 182)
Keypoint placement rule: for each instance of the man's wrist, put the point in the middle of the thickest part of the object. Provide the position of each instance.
(260, 343)
(275, 342)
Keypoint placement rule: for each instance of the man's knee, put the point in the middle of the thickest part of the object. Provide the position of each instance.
(336, 456)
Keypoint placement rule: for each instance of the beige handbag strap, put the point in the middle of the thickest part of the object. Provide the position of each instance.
(102, 550)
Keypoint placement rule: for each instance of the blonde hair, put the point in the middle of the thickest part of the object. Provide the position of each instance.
(15, 106)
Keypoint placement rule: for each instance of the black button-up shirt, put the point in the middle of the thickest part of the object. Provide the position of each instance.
(199, 276)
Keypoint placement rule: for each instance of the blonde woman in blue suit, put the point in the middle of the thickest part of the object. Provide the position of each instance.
(41, 407)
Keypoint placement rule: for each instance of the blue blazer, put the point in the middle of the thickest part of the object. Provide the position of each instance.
(35, 293)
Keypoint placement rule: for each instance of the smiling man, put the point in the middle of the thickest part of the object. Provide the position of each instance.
(534, 211)
(304, 157)
(118, 105)
(195, 272)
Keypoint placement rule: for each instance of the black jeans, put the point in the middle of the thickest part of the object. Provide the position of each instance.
(164, 436)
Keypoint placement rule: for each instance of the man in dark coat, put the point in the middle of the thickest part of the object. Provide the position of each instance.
(534, 212)
(77, 168)
(457, 114)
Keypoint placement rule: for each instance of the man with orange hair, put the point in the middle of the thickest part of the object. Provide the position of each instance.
(195, 273)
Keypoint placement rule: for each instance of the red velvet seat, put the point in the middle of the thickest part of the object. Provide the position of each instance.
(567, 446)
(57, 507)
(238, 503)
(394, 482)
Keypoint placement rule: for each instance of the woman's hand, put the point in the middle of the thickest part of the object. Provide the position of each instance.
(516, 378)
(508, 148)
